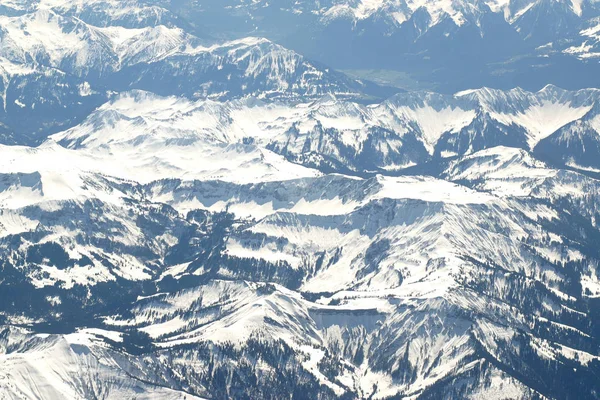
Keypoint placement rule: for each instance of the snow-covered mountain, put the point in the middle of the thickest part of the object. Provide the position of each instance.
(330, 134)
(117, 58)
(371, 281)
(126, 13)
(191, 211)
(162, 238)
(447, 45)
(38, 100)
(45, 47)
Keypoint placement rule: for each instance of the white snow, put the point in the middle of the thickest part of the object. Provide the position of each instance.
(430, 189)
(543, 119)
(433, 122)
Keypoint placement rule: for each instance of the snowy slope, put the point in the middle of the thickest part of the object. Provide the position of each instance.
(345, 255)
(51, 367)
(328, 134)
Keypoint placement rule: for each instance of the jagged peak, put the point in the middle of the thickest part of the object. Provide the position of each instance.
(327, 99)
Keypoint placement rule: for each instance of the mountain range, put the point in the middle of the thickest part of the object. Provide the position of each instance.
(441, 45)
(195, 203)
